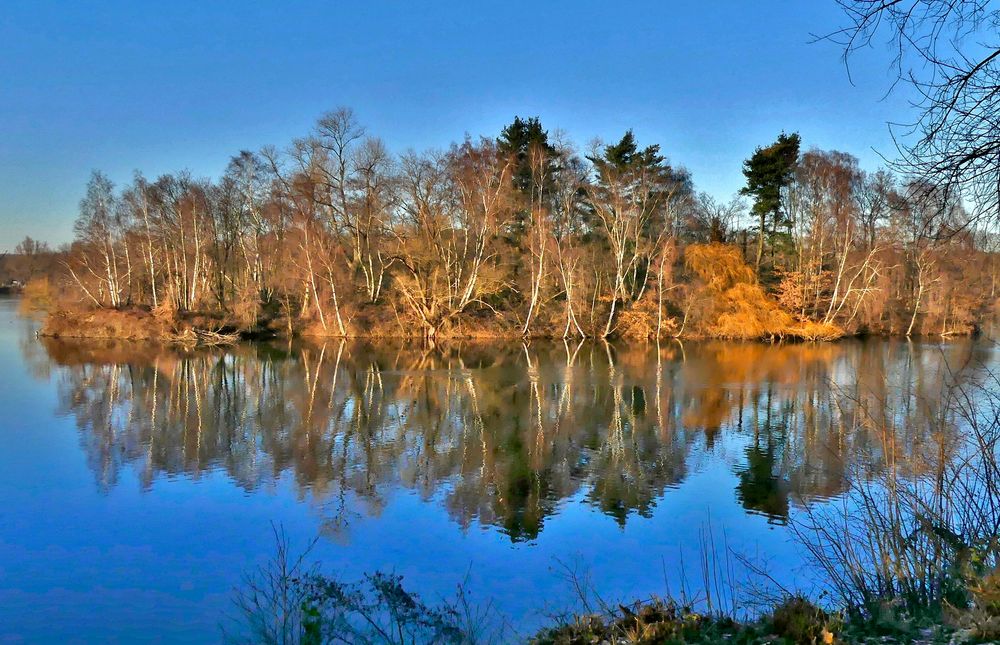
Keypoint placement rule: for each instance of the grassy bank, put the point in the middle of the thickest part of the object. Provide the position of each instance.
(792, 620)
(140, 324)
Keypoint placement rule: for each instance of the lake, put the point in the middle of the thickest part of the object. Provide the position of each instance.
(140, 483)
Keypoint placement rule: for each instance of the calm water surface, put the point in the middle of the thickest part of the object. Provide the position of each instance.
(138, 484)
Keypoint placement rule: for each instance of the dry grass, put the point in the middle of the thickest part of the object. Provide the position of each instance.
(37, 296)
(127, 324)
(138, 324)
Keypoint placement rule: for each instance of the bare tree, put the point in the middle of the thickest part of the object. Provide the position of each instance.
(97, 234)
(713, 219)
(949, 53)
(453, 209)
(567, 230)
(374, 201)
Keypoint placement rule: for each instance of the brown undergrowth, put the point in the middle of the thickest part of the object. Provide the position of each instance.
(732, 304)
(723, 299)
(139, 324)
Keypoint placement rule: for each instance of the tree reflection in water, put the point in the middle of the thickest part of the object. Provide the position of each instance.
(501, 435)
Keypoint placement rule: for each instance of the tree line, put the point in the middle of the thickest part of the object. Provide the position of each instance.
(523, 234)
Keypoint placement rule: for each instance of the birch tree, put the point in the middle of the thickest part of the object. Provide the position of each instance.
(454, 207)
(630, 200)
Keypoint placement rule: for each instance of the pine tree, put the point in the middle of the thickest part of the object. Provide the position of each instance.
(517, 140)
(768, 172)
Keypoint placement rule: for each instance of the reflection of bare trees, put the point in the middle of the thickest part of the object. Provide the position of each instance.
(502, 435)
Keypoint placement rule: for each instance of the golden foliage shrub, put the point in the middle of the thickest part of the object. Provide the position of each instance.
(719, 266)
(748, 312)
(735, 306)
(640, 320)
(810, 330)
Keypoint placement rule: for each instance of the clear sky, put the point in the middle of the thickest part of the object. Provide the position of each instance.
(166, 86)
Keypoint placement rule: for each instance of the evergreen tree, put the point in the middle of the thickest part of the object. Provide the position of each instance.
(517, 140)
(631, 202)
(527, 145)
(768, 172)
(645, 174)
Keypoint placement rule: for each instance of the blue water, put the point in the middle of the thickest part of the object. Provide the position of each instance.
(138, 486)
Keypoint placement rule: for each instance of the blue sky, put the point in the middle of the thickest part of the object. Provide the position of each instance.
(161, 87)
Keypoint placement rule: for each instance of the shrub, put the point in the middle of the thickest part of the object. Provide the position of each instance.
(800, 621)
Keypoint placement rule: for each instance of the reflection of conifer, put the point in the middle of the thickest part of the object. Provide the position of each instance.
(468, 427)
(760, 489)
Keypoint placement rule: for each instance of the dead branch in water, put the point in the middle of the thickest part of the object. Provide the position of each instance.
(204, 337)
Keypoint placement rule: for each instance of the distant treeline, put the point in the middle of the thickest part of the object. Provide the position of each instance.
(30, 259)
(523, 235)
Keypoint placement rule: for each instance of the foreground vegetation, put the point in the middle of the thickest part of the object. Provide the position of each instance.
(311, 608)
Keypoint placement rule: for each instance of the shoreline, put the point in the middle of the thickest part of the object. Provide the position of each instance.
(213, 329)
